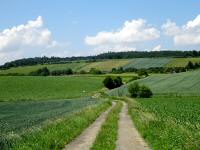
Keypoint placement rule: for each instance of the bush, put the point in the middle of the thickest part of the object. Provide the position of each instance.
(134, 89)
(95, 71)
(139, 91)
(143, 73)
(62, 72)
(40, 72)
(145, 92)
(112, 83)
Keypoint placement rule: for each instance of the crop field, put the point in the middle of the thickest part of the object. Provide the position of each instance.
(148, 62)
(39, 124)
(107, 65)
(75, 66)
(182, 62)
(14, 88)
(19, 116)
(187, 83)
(168, 123)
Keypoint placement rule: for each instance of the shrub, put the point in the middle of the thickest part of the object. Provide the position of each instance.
(82, 72)
(139, 91)
(143, 73)
(62, 72)
(95, 71)
(190, 65)
(108, 82)
(112, 83)
(40, 72)
(145, 92)
(117, 81)
(134, 89)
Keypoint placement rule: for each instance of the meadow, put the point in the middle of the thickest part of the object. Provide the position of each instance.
(177, 84)
(14, 88)
(75, 66)
(168, 123)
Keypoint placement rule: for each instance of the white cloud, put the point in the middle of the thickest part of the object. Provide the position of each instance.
(27, 40)
(157, 48)
(132, 32)
(185, 35)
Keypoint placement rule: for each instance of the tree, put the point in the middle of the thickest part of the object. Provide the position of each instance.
(134, 89)
(190, 65)
(143, 73)
(112, 83)
(95, 71)
(108, 82)
(117, 81)
(144, 92)
(40, 72)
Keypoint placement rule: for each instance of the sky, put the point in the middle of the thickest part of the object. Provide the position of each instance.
(30, 28)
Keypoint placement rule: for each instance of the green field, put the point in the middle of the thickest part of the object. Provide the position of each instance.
(18, 116)
(182, 62)
(75, 66)
(186, 83)
(43, 88)
(148, 62)
(168, 123)
(107, 65)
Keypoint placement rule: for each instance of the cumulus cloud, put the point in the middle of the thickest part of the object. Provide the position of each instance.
(132, 32)
(185, 35)
(26, 40)
(157, 48)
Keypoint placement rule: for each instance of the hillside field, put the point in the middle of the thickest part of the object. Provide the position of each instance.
(148, 62)
(182, 62)
(14, 88)
(186, 83)
(27, 69)
(107, 65)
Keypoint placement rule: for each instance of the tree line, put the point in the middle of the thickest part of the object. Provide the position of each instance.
(109, 55)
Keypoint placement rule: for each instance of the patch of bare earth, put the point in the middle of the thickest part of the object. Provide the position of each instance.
(128, 136)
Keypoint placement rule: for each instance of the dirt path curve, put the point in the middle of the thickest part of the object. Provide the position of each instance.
(128, 136)
(85, 140)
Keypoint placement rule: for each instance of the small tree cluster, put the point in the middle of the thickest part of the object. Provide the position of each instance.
(40, 72)
(112, 82)
(62, 72)
(95, 71)
(136, 90)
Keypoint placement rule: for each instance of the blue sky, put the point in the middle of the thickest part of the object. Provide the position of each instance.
(72, 27)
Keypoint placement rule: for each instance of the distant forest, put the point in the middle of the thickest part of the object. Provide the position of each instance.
(109, 55)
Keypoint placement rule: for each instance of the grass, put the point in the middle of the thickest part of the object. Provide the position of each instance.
(168, 123)
(182, 62)
(14, 88)
(107, 65)
(75, 66)
(186, 83)
(55, 135)
(148, 63)
(107, 137)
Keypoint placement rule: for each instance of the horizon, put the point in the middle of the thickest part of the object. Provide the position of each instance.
(74, 28)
